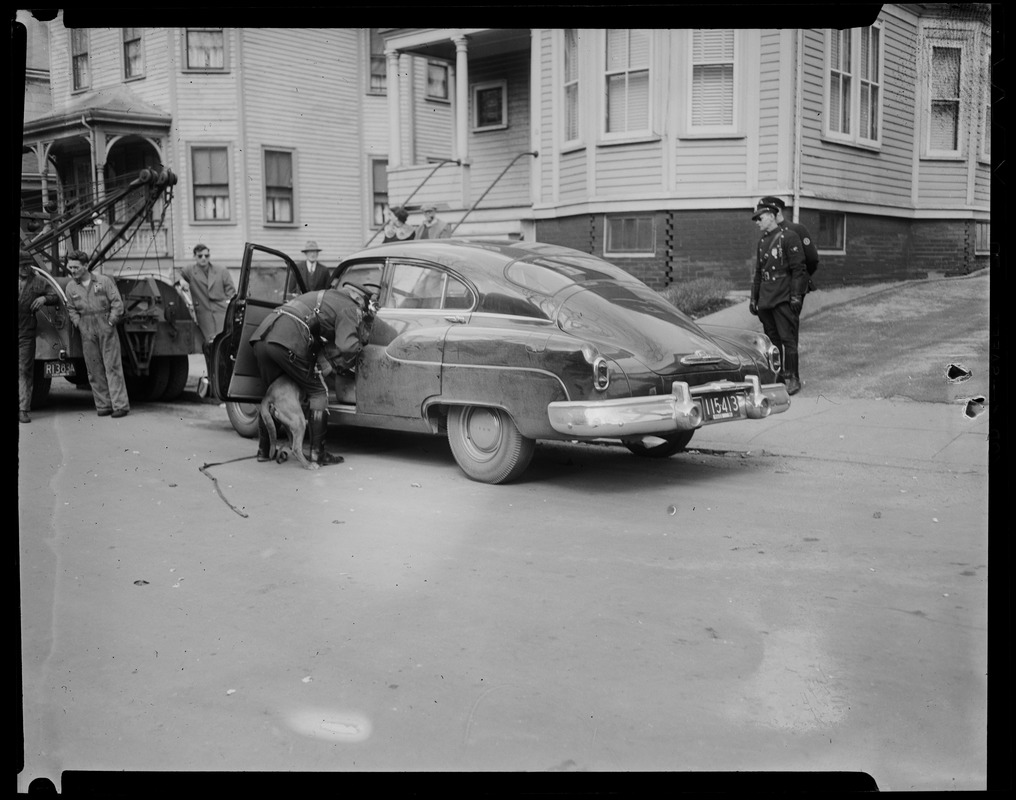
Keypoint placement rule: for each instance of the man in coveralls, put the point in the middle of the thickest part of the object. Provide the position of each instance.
(95, 307)
(306, 339)
(778, 288)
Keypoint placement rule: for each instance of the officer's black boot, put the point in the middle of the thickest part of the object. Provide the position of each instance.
(264, 443)
(793, 381)
(318, 429)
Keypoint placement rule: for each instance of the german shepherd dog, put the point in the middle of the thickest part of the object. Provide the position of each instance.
(282, 402)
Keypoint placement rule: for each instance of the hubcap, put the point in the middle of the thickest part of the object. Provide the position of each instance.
(483, 429)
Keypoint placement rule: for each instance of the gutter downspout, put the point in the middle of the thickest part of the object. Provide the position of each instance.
(798, 124)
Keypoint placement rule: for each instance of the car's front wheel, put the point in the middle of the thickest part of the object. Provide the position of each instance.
(487, 445)
(671, 443)
(244, 418)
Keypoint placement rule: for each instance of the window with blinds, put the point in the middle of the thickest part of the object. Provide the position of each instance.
(854, 85)
(626, 82)
(570, 89)
(944, 136)
(210, 183)
(378, 67)
(279, 192)
(712, 80)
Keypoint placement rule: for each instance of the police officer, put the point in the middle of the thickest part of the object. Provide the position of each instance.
(810, 250)
(778, 288)
(307, 338)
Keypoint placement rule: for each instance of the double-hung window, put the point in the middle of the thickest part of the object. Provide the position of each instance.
(626, 82)
(713, 89)
(133, 57)
(279, 193)
(986, 131)
(570, 87)
(81, 73)
(210, 170)
(205, 49)
(378, 67)
(945, 101)
(854, 86)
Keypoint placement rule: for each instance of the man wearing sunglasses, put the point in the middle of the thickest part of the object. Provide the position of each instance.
(210, 289)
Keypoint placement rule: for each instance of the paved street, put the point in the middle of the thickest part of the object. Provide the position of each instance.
(744, 606)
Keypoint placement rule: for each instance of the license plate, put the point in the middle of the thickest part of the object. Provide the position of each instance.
(723, 406)
(59, 369)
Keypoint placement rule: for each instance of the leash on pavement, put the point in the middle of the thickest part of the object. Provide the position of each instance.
(215, 480)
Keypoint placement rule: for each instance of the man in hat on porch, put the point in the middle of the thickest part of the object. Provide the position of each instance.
(432, 227)
(316, 276)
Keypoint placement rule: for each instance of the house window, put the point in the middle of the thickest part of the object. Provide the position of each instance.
(571, 85)
(944, 130)
(626, 235)
(378, 190)
(490, 106)
(986, 133)
(437, 81)
(378, 71)
(206, 49)
(712, 80)
(831, 231)
(133, 58)
(854, 85)
(626, 81)
(982, 238)
(210, 167)
(80, 70)
(279, 186)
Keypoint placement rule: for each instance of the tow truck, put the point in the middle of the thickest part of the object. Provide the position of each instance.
(157, 333)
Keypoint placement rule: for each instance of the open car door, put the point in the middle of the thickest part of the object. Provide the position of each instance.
(264, 276)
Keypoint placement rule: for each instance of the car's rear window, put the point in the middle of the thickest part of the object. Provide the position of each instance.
(548, 276)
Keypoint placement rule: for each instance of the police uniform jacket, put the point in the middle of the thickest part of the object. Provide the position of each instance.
(810, 250)
(780, 271)
(327, 322)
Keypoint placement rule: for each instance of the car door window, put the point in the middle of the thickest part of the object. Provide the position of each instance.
(361, 274)
(416, 286)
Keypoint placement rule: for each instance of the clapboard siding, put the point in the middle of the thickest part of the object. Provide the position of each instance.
(492, 151)
(835, 170)
(549, 134)
(939, 181)
(573, 176)
(625, 170)
(769, 123)
(316, 116)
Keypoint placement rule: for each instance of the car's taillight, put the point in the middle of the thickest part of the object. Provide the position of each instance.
(601, 374)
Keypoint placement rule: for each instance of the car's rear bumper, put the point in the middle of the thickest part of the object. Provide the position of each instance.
(681, 410)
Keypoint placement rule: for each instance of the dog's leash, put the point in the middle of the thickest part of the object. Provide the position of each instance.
(215, 480)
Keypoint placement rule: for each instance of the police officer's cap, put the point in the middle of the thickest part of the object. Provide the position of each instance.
(762, 208)
(769, 200)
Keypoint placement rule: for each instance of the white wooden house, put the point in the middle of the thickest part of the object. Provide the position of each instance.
(647, 146)
(651, 146)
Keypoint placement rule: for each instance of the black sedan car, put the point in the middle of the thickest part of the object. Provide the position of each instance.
(499, 344)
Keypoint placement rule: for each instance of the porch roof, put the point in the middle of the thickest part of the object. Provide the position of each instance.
(116, 106)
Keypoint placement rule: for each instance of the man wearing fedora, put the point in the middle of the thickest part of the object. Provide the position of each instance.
(432, 227)
(778, 288)
(315, 275)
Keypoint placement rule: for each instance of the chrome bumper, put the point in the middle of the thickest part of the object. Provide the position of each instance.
(677, 411)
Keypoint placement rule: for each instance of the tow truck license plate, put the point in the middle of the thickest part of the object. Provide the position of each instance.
(58, 369)
(723, 406)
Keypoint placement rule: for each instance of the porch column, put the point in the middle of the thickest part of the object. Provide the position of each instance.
(394, 110)
(461, 98)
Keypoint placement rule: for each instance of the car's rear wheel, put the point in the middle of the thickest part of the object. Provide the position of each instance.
(672, 443)
(40, 386)
(487, 445)
(244, 418)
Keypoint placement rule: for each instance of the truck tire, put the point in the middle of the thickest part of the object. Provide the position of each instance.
(145, 388)
(40, 386)
(179, 372)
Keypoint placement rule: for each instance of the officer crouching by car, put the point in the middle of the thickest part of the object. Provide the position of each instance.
(307, 338)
